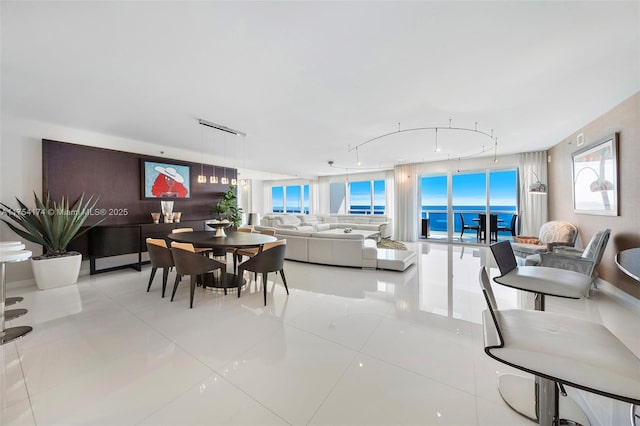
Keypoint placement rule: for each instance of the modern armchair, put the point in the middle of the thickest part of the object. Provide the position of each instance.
(552, 234)
(572, 259)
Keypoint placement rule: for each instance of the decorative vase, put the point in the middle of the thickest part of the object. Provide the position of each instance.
(167, 208)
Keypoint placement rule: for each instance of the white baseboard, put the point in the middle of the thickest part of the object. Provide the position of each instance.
(623, 297)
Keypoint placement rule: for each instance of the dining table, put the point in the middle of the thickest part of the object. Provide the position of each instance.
(628, 261)
(232, 239)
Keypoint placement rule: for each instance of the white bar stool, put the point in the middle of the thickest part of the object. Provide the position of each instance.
(11, 251)
(560, 350)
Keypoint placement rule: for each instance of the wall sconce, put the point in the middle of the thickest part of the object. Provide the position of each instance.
(537, 188)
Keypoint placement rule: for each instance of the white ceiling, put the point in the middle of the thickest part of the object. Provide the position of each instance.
(306, 80)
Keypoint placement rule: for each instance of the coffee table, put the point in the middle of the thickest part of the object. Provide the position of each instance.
(366, 234)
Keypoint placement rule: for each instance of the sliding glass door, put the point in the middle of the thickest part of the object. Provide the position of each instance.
(434, 217)
(455, 206)
(469, 197)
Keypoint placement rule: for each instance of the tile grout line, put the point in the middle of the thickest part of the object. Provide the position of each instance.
(26, 388)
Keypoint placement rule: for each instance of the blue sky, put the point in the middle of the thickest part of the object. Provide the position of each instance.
(470, 189)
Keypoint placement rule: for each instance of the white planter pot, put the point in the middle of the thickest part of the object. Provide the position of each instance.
(56, 271)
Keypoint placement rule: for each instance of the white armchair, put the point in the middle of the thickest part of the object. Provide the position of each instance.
(572, 259)
(552, 234)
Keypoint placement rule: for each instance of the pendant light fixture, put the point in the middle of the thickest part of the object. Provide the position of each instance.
(201, 177)
(224, 179)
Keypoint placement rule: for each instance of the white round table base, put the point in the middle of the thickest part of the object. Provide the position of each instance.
(12, 300)
(520, 394)
(13, 333)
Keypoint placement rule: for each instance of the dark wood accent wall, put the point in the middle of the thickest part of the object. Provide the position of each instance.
(115, 177)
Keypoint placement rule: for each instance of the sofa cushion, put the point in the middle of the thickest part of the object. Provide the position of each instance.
(359, 219)
(309, 219)
(340, 236)
(289, 219)
(294, 232)
(378, 219)
(323, 227)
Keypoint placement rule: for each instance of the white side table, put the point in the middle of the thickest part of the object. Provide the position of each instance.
(12, 251)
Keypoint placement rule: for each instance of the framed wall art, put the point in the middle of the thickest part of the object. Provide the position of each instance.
(595, 178)
(164, 180)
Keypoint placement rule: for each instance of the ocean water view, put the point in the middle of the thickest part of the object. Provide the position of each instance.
(437, 214)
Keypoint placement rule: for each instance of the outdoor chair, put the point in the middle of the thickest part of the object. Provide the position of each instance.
(512, 226)
(470, 227)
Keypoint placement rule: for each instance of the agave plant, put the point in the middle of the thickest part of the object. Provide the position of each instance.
(52, 225)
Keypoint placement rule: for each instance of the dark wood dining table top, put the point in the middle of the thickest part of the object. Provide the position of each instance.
(233, 239)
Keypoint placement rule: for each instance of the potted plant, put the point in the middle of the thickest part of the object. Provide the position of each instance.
(52, 225)
(227, 208)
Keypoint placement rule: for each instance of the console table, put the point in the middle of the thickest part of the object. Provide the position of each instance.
(114, 240)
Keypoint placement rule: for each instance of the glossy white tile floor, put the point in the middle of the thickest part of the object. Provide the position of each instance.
(347, 346)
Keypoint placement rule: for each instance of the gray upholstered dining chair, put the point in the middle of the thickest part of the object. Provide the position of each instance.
(269, 259)
(160, 257)
(201, 250)
(188, 262)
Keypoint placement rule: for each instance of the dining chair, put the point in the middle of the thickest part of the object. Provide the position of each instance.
(493, 222)
(189, 262)
(200, 250)
(269, 259)
(250, 252)
(233, 250)
(160, 257)
(512, 226)
(470, 227)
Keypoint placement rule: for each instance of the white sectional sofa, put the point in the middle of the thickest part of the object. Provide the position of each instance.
(314, 223)
(345, 249)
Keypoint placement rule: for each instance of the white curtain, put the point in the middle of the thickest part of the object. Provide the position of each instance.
(533, 207)
(389, 194)
(314, 197)
(405, 218)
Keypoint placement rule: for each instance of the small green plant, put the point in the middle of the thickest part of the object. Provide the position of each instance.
(50, 224)
(227, 207)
